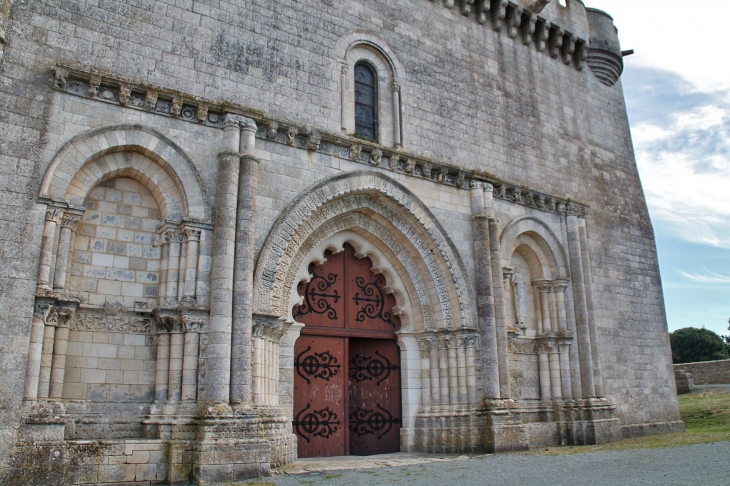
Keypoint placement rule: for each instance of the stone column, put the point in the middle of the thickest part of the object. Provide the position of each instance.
(581, 309)
(41, 310)
(499, 304)
(585, 256)
(182, 266)
(395, 90)
(64, 245)
(191, 265)
(174, 239)
(60, 347)
(193, 326)
(471, 368)
(559, 287)
(218, 347)
(53, 216)
(424, 347)
(343, 97)
(257, 371)
(544, 370)
(555, 377)
(543, 288)
(461, 365)
(49, 335)
(434, 372)
(162, 370)
(177, 346)
(485, 304)
(443, 371)
(244, 267)
(454, 392)
(164, 258)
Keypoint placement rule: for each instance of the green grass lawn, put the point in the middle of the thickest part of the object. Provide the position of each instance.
(706, 417)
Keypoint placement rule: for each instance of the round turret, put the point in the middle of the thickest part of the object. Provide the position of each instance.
(604, 49)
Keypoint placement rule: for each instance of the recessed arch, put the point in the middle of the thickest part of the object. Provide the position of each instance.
(353, 39)
(372, 197)
(537, 236)
(164, 155)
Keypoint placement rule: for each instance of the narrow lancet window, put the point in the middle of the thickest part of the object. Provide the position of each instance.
(366, 96)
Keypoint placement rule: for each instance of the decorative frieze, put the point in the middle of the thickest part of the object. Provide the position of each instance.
(85, 321)
(523, 347)
(144, 96)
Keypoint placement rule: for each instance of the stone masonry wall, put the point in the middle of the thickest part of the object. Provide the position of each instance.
(707, 372)
(471, 96)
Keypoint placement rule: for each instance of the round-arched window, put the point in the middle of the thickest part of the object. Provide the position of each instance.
(366, 102)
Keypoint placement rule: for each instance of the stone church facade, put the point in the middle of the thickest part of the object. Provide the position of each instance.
(239, 232)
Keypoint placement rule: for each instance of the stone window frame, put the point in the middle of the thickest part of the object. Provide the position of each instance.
(376, 97)
(360, 47)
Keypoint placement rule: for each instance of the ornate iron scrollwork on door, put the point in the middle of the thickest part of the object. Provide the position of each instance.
(318, 365)
(374, 299)
(316, 295)
(317, 423)
(364, 368)
(363, 421)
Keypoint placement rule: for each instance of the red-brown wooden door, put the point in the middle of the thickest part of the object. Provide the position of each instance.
(347, 363)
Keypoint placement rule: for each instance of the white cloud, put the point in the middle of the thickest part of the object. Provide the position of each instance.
(708, 277)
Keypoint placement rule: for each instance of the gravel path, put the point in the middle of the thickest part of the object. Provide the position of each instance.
(703, 464)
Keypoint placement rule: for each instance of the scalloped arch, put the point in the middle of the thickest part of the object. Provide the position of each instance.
(163, 152)
(443, 271)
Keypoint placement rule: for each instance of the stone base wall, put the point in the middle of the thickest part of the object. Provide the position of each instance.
(707, 372)
(685, 382)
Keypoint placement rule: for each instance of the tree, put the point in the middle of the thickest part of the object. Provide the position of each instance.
(690, 345)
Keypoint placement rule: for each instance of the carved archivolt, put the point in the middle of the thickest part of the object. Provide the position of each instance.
(540, 239)
(160, 152)
(276, 269)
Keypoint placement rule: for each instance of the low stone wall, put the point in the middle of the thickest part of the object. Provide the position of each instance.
(707, 372)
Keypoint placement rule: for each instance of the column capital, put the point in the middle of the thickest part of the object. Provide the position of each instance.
(507, 273)
(488, 187)
(560, 284)
(54, 214)
(248, 124)
(474, 184)
(344, 68)
(543, 285)
(70, 220)
(395, 87)
(232, 120)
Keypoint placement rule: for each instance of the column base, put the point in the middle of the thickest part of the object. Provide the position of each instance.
(503, 429)
(242, 443)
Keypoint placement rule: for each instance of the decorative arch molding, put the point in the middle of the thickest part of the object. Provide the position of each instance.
(354, 39)
(394, 283)
(540, 239)
(349, 193)
(165, 154)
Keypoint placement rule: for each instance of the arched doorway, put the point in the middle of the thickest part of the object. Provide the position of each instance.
(347, 384)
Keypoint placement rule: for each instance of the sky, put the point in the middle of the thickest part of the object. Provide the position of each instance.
(677, 88)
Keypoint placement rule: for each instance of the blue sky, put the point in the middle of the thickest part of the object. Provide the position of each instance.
(677, 89)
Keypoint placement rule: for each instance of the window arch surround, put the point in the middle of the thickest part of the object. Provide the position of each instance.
(360, 47)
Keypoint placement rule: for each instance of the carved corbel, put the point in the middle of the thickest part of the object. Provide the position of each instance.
(202, 112)
(568, 47)
(176, 106)
(499, 12)
(291, 135)
(556, 41)
(542, 34)
(125, 91)
(449, 3)
(427, 169)
(483, 11)
(314, 138)
(460, 179)
(376, 157)
(516, 195)
(393, 162)
(60, 77)
(272, 130)
(538, 5)
(355, 151)
(150, 100)
(94, 82)
(528, 28)
(410, 166)
(466, 7)
(514, 19)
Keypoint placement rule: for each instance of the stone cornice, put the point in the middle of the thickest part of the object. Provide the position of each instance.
(121, 91)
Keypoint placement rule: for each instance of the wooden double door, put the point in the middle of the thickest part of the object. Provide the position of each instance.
(347, 382)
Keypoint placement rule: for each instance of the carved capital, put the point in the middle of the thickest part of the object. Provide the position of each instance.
(395, 87)
(488, 187)
(70, 220)
(248, 124)
(174, 236)
(559, 285)
(474, 184)
(507, 273)
(193, 322)
(192, 234)
(344, 68)
(54, 214)
(232, 120)
(543, 285)
(42, 309)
